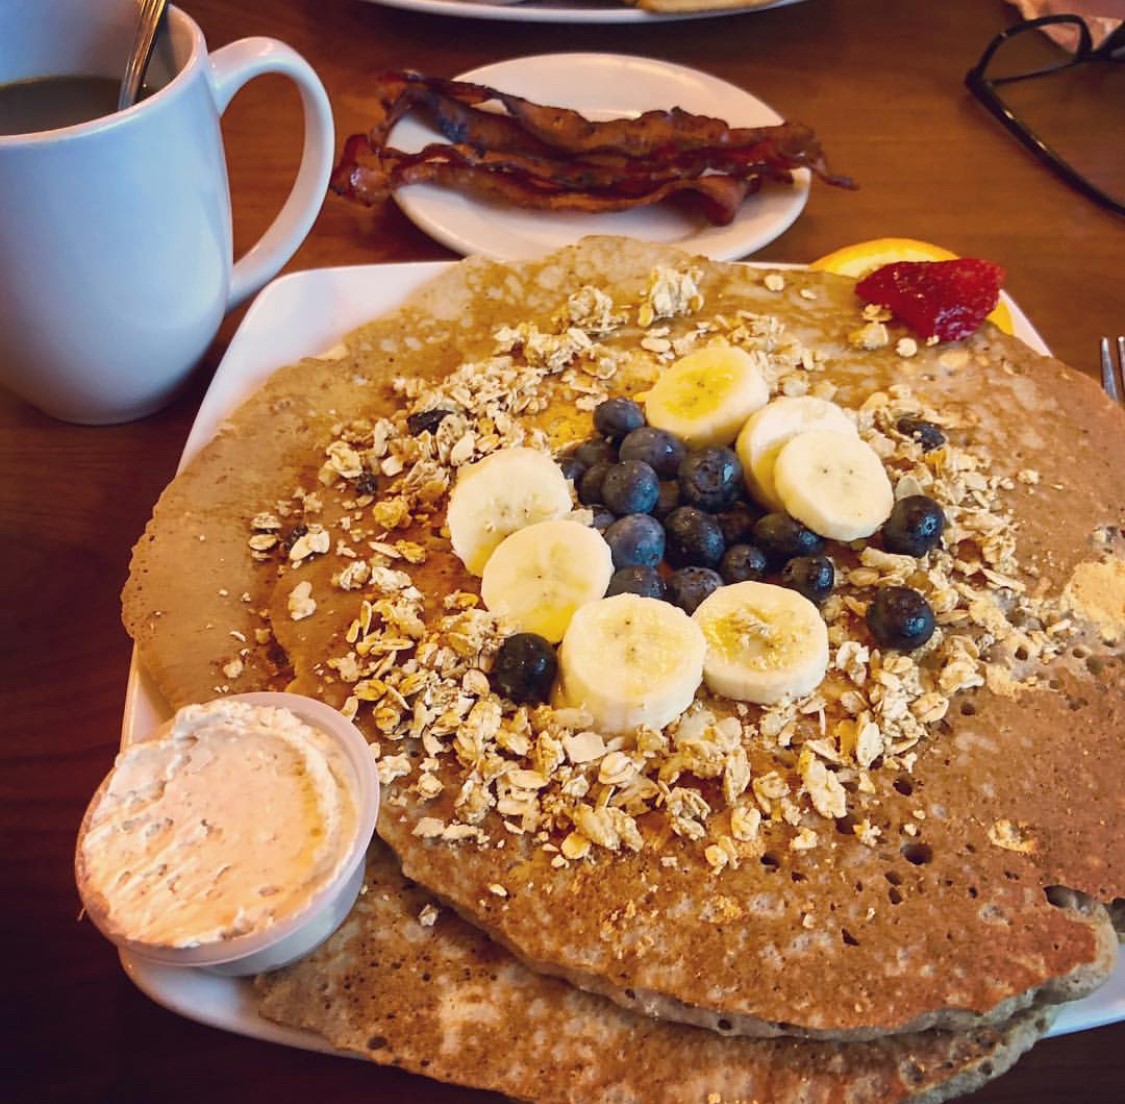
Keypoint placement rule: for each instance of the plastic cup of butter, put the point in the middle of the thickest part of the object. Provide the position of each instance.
(284, 782)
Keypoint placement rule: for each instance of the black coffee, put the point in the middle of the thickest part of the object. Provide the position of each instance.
(48, 103)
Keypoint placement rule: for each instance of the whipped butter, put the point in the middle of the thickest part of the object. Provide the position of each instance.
(228, 822)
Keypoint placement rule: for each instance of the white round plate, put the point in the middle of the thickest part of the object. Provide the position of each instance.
(601, 86)
(563, 11)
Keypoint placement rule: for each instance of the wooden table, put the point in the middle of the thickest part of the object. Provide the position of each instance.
(881, 81)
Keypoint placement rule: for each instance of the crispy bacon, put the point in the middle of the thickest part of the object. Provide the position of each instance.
(372, 178)
(620, 176)
(651, 134)
(554, 158)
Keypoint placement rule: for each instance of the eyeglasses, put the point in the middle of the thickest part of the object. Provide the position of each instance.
(991, 73)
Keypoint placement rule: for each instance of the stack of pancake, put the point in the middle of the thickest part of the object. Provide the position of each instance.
(731, 941)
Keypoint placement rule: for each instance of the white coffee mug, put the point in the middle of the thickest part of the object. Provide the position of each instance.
(116, 263)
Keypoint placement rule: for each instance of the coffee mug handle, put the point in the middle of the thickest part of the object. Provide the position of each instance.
(235, 65)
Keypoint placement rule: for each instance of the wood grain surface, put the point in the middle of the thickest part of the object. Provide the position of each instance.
(881, 82)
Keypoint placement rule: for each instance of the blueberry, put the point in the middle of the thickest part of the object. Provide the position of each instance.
(630, 487)
(694, 538)
(737, 524)
(661, 450)
(594, 451)
(639, 579)
(590, 482)
(914, 526)
(928, 435)
(668, 499)
(636, 540)
(616, 418)
(742, 563)
(572, 468)
(812, 576)
(710, 478)
(525, 668)
(900, 618)
(688, 586)
(603, 518)
(781, 538)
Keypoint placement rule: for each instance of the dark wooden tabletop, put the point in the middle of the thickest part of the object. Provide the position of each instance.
(880, 80)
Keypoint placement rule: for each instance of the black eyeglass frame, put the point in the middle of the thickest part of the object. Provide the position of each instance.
(984, 88)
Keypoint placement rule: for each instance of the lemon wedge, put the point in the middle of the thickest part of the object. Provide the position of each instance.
(864, 257)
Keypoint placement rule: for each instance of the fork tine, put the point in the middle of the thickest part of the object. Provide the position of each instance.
(1112, 383)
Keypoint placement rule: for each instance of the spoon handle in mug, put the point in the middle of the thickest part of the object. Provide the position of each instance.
(234, 66)
(148, 25)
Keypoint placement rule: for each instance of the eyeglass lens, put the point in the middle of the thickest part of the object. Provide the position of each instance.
(1076, 109)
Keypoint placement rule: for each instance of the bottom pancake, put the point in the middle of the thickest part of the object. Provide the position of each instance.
(409, 984)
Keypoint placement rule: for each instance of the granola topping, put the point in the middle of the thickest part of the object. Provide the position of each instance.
(727, 776)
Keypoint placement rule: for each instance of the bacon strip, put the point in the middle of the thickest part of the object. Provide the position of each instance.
(719, 196)
(370, 176)
(651, 134)
(556, 159)
(621, 176)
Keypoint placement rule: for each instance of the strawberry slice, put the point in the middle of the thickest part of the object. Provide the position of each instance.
(943, 299)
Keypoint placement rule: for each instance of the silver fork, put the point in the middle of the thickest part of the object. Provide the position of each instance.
(1113, 370)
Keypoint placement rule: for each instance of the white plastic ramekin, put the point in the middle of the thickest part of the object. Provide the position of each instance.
(295, 935)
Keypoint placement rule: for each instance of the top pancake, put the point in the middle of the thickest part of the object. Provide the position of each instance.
(989, 775)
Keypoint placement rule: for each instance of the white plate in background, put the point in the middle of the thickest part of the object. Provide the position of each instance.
(300, 315)
(601, 86)
(563, 11)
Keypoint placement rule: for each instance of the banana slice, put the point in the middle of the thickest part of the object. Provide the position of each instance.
(768, 429)
(539, 575)
(764, 642)
(706, 396)
(630, 661)
(496, 496)
(834, 483)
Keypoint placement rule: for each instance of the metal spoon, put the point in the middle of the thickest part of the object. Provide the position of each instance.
(151, 13)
